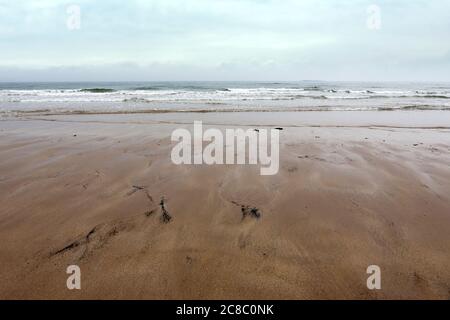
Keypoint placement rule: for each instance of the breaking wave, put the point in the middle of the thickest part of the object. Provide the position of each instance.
(221, 97)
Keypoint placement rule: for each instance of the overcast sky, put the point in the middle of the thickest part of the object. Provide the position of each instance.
(224, 40)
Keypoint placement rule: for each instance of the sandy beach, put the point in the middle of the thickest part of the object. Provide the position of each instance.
(354, 189)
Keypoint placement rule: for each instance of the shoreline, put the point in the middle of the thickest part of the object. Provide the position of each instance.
(420, 119)
(48, 112)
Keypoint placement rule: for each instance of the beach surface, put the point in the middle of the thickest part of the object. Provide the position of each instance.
(354, 189)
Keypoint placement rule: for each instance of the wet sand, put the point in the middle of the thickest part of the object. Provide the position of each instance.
(354, 189)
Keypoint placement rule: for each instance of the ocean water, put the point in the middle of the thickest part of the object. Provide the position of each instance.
(128, 97)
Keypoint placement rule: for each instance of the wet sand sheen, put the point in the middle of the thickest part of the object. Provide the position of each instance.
(110, 200)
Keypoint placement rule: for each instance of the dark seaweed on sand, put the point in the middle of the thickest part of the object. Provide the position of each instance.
(165, 217)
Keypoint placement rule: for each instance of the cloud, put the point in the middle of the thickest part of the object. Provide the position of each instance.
(238, 39)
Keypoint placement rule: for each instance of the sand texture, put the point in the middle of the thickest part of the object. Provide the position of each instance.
(101, 192)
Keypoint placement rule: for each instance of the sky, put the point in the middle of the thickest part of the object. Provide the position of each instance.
(197, 40)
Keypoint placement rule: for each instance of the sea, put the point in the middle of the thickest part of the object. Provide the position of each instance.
(141, 97)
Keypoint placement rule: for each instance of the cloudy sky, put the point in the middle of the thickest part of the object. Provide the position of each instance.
(224, 40)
